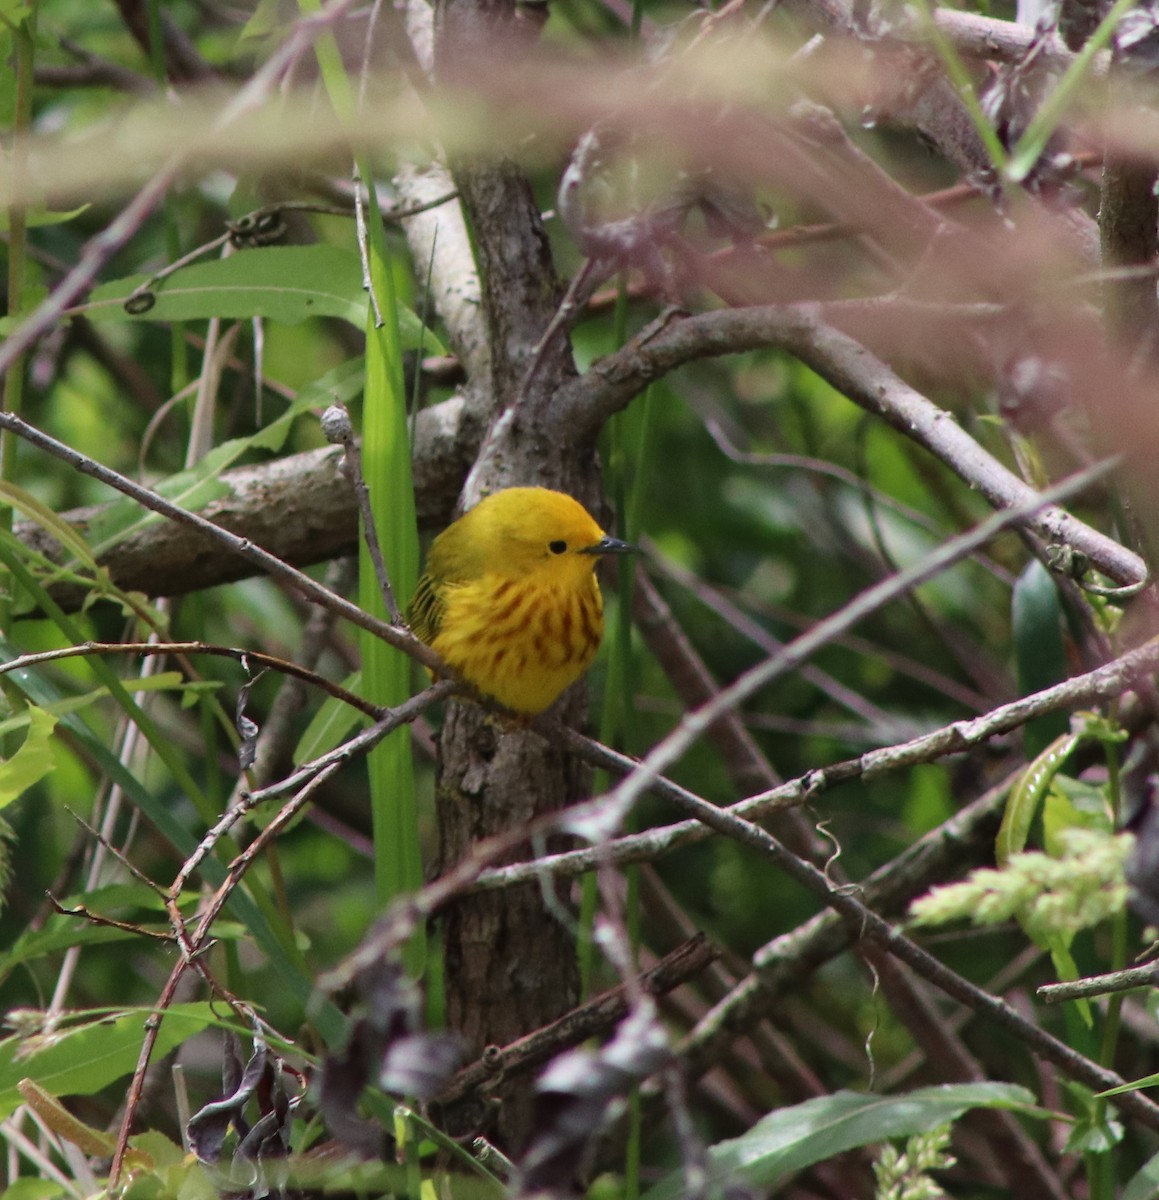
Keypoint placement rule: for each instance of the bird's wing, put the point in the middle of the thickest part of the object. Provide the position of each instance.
(426, 610)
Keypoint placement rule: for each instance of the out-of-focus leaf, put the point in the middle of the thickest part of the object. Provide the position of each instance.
(1073, 804)
(282, 283)
(93, 1142)
(1027, 794)
(791, 1139)
(1036, 618)
(164, 682)
(387, 1049)
(82, 1059)
(330, 724)
(28, 1188)
(62, 931)
(1094, 1136)
(41, 217)
(32, 761)
(1144, 1184)
(575, 1090)
(197, 487)
(32, 508)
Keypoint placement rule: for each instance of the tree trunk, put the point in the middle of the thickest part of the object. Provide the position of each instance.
(510, 956)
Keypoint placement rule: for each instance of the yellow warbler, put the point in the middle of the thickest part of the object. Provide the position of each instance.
(509, 597)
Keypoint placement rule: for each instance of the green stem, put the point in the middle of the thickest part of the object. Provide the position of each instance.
(13, 397)
(961, 80)
(1044, 122)
(1100, 1171)
(179, 363)
(387, 465)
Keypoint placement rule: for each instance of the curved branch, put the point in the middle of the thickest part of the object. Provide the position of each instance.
(300, 508)
(1005, 41)
(846, 364)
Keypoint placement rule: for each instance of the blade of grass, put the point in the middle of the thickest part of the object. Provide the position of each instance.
(961, 80)
(13, 393)
(386, 460)
(179, 362)
(1044, 122)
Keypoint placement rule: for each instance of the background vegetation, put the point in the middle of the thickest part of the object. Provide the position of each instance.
(846, 315)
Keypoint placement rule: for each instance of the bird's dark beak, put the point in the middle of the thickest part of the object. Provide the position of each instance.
(611, 545)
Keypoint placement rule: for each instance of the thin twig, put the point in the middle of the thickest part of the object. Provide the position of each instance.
(337, 428)
(1100, 985)
(875, 718)
(594, 1017)
(148, 649)
(863, 922)
(305, 775)
(301, 582)
(192, 946)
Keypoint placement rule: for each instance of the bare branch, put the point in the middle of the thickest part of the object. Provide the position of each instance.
(613, 381)
(591, 1019)
(1103, 684)
(260, 558)
(300, 508)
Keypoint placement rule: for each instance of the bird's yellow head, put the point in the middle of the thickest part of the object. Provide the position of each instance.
(526, 532)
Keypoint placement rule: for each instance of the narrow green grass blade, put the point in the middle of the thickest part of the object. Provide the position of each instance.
(961, 80)
(386, 462)
(1045, 121)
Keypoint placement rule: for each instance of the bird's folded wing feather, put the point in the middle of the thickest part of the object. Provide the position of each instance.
(426, 611)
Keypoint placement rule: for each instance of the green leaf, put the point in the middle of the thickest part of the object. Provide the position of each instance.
(1036, 617)
(1073, 804)
(1025, 795)
(166, 681)
(791, 1139)
(197, 487)
(61, 931)
(28, 1188)
(282, 283)
(32, 762)
(48, 520)
(1136, 1085)
(1094, 1135)
(267, 17)
(386, 455)
(1049, 113)
(330, 724)
(41, 217)
(1144, 1184)
(159, 1148)
(83, 1059)
(282, 953)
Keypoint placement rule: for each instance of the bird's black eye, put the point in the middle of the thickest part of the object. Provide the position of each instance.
(557, 547)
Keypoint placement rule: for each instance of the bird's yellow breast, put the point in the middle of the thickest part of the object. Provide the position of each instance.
(521, 640)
